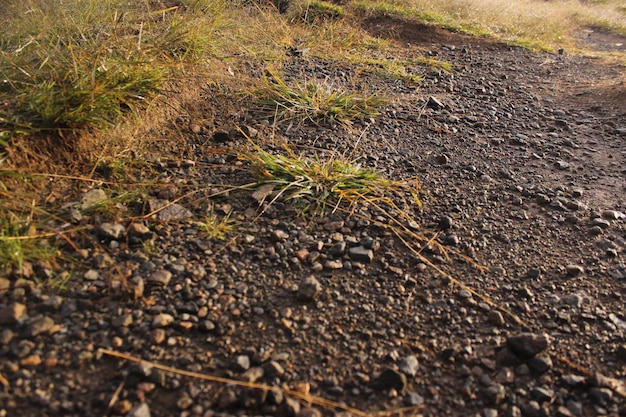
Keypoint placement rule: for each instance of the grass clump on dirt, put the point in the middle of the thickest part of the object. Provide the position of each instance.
(323, 182)
(315, 101)
(215, 226)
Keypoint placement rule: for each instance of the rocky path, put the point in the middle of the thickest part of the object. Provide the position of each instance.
(522, 158)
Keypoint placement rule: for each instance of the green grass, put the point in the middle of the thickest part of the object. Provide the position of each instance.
(19, 244)
(323, 182)
(217, 227)
(318, 102)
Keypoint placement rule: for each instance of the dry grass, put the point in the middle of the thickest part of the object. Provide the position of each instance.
(533, 23)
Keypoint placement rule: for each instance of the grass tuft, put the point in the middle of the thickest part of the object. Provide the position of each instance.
(325, 182)
(316, 101)
(216, 227)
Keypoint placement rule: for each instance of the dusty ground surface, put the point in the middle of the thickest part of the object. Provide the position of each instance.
(522, 160)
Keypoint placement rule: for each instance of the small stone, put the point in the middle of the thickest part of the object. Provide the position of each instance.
(273, 369)
(279, 235)
(290, 407)
(541, 363)
(184, 402)
(574, 270)
(613, 214)
(92, 275)
(111, 230)
(496, 318)
(207, 326)
(166, 211)
(361, 254)
(12, 313)
(389, 379)
(38, 325)
(600, 396)
(92, 197)
(434, 103)
(490, 412)
(542, 394)
(139, 232)
(162, 320)
(227, 399)
(333, 264)
(574, 380)
(574, 300)
(140, 410)
(122, 321)
(309, 288)
(102, 261)
(309, 412)
(32, 360)
(445, 222)
(241, 363)
(160, 277)
(6, 335)
(158, 336)
(563, 411)
(409, 365)
(527, 344)
(220, 136)
(122, 407)
(575, 407)
(494, 394)
(413, 399)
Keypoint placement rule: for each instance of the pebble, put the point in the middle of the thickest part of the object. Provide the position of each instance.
(494, 394)
(12, 313)
(361, 254)
(140, 410)
(111, 230)
(309, 289)
(409, 365)
(573, 270)
(496, 318)
(242, 363)
(168, 212)
(541, 363)
(527, 344)
(38, 325)
(413, 399)
(160, 278)
(542, 394)
(92, 197)
(162, 320)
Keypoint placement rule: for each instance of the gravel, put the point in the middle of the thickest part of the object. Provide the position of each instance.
(520, 158)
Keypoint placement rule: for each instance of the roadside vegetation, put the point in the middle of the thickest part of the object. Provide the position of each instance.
(84, 84)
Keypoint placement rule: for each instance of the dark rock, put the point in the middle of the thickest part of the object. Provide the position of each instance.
(12, 313)
(494, 394)
(309, 288)
(38, 325)
(361, 254)
(527, 345)
(388, 379)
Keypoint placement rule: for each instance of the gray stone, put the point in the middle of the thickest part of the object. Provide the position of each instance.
(140, 410)
(309, 288)
(494, 394)
(361, 254)
(291, 407)
(273, 369)
(38, 325)
(573, 270)
(161, 277)
(527, 344)
(409, 365)
(92, 197)
(12, 313)
(166, 211)
(496, 318)
(111, 230)
(541, 363)
(253, 374)
(138, 231)
(574, 300)
(600, 396)
(92, 275)
(241, 363)
(542, 394)
(413, 399)
(575, 407)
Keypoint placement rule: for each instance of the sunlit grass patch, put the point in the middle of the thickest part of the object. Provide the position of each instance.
(313, 11)
(326, 182)
(215, 226)
(316, 101)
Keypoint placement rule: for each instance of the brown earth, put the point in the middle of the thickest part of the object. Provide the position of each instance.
(521, 157)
